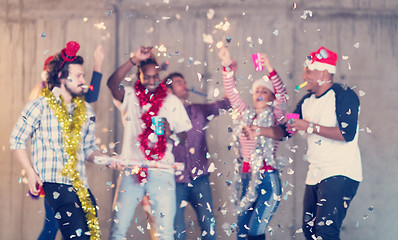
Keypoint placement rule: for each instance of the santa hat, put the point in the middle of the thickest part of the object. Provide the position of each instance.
(265, 82)
(48, 60)
(322, 59)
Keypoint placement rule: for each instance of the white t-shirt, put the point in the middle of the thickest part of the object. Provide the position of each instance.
(172, 109)
(328, 157)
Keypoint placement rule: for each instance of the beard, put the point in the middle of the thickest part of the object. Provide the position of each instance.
(74, 93)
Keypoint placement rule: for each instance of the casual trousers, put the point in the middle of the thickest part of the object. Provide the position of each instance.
(65, 203)
(254, 221)
(161, 190)
(50, 227)
(198, 194)
(325, 207)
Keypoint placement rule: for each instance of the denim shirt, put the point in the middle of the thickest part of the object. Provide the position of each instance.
(193, 152)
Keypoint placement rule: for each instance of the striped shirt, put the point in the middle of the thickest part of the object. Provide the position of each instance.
(39, 124)
(249, 145)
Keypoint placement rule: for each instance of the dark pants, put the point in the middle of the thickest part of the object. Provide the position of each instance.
(50, 227)
(199, 196)
(67, 208)
(325, 207)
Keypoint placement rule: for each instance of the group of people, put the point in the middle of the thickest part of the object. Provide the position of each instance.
(60, 125)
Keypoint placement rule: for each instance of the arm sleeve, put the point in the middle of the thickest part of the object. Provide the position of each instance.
(280, 102)
(89, 136)
(299, 105)
(231, 91)
(92, 94)
(178, 120)
(26, 124)
(347, 112)
(213, 108)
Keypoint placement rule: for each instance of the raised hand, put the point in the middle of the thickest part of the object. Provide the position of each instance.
(226, 59)
(141, 54)
(266, 63)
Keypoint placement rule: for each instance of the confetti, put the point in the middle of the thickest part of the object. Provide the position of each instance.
(356, 45)
(223, 26)
(56, 195)
(260, 41)
(344, 57)
(210, 13)
(199, 76)
(207, 38)
(361, 93)
(57, 215)
(216, 92)
(306, 13)
(294, 5)
(276, 32)
(371, 209)
(43, 35)
(109, 13)
(219, 44)
(211, 168)
(228, 39)
(183, 204)
(85, 19)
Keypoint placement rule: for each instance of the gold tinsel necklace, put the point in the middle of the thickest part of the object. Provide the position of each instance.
(71, 133)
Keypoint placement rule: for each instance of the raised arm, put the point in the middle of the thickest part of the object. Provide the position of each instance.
(117, 77)
(229, 67)
(92, 94)
(280, 102)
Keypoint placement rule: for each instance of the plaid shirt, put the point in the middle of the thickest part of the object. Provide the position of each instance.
(39, 123)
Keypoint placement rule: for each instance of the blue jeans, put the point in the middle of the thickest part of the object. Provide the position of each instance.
(50, 227)
(254, 221)
(325, 207)
(199, 196)
(161, 190)
(68, 210)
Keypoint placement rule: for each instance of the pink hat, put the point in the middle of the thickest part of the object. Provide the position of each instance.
(322, 59)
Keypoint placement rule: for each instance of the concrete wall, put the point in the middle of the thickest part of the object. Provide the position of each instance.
(179, 25)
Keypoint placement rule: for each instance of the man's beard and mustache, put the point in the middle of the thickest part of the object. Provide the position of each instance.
(74, 94)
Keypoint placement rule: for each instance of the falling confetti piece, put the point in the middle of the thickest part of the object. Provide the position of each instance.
(183, 204)
(294, 5)
(85, 19)
(219, 44)
(207, 38)
(199, 76)
(57, 215)
(210, 13)
(216, 92)
(228, 39)
(109, 13)
(344, 57)
(228, 182)
(371, 209)
(43, 35)
(260, 41)
(368, 130)
(276, 32)
(211, 168)
(223, 26)
(361, 93)
(344, 124)
(69, 214)
(290, 171)
(56, 195)
(306, 13)
(356, 45)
